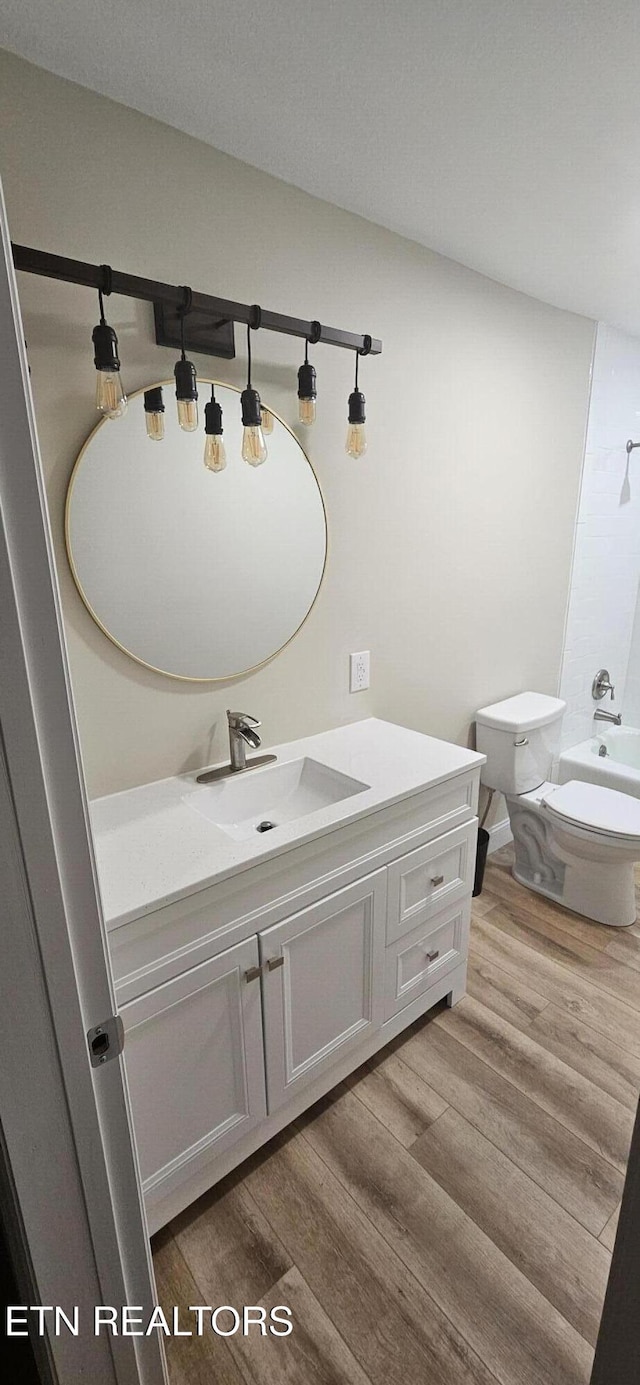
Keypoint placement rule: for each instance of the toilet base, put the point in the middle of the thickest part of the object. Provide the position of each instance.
(592, 879)
(618, 910)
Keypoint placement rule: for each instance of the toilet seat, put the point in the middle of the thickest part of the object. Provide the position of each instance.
(596, 809)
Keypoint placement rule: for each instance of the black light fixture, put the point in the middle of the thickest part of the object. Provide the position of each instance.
(185, 376)
(215, 456)
(154, 413)
(307, 389)
(254, 449)
(111, 399)
(356, 443)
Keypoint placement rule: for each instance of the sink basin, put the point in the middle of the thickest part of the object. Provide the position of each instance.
(262, 800)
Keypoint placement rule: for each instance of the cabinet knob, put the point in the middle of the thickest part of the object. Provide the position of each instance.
(431, 956)
(437, 879)
(275, 962)
(252, 973)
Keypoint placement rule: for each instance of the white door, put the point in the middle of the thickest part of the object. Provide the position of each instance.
(66, 1124)
(195, 1066)
(322, 975)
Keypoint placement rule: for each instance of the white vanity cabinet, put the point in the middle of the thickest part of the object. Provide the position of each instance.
(247, 998)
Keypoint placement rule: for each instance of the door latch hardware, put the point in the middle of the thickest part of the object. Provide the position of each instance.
(275, 962)
(106, 1041)
(253, 973)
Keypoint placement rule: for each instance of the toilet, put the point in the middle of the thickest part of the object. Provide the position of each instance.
(577, 843)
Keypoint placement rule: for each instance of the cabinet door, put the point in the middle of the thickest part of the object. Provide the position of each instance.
(322, 979)
(195, 1066)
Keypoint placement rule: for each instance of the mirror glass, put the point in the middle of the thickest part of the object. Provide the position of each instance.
(197, 574)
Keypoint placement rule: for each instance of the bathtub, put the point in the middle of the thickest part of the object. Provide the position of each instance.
(618, 769)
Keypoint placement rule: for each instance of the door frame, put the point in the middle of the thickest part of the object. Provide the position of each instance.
(617, 1357)
(66, 1126)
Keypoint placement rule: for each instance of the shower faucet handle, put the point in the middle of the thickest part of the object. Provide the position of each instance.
(602, 685)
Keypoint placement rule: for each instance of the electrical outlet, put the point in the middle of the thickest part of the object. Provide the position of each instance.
(359, 668)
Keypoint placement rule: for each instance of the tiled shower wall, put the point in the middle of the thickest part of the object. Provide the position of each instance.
(606, 565)
(632, 687)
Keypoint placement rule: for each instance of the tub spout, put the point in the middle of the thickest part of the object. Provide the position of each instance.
(614, 718)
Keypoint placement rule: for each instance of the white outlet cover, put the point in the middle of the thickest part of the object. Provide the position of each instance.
(359, 671)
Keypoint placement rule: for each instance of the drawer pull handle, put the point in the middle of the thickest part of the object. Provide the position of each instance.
(252, 973)
(437, 879)
(431, 956)
(274, 963)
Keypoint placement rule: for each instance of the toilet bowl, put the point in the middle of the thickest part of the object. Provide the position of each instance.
(576, 843)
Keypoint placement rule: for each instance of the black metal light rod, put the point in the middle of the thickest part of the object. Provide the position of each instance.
(152, 291)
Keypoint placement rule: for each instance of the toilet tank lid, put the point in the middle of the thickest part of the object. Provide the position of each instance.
(524, 712)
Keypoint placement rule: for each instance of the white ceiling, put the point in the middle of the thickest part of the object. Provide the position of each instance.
(503, 133)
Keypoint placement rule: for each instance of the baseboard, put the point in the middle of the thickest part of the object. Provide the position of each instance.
(500, 835)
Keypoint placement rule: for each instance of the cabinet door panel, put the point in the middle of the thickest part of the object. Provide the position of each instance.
(195, 1066)
(322, 984)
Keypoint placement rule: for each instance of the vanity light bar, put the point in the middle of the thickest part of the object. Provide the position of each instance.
(32, 261)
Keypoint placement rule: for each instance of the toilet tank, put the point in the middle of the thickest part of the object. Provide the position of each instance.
(520, 738)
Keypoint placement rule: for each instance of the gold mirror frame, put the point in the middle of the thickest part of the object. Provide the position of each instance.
(181, 677)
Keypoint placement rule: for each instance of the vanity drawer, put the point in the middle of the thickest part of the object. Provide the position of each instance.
(424, 881)
(414, 963)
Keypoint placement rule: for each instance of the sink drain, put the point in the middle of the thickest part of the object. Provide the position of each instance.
(265, 826)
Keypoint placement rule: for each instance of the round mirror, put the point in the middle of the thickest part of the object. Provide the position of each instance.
(197, 574)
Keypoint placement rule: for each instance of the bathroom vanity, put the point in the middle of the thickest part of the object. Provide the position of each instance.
(255, 969)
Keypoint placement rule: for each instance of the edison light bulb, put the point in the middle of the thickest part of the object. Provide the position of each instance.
(155, 426)
(254, 448)
(111, 399)
(356, 444)
(307, 410)
(188, 414)
(154, 413)
(267, 420)
(186, 394)
(215, 456)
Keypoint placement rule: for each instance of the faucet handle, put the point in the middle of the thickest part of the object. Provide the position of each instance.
(236, 719)
(602, 685)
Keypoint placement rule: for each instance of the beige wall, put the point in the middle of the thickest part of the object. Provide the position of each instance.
(450, 544)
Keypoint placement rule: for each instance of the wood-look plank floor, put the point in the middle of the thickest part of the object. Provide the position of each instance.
(447, 1215)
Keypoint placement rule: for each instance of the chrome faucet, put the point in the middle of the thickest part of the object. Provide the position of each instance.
(242, 732)
(614, 717)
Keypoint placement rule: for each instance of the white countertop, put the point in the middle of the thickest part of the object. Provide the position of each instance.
(152, 848)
